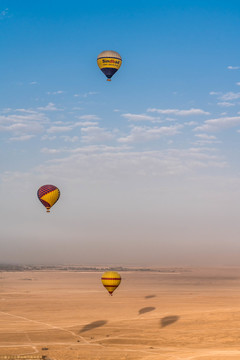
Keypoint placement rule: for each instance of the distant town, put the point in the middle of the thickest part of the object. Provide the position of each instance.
(80, 268)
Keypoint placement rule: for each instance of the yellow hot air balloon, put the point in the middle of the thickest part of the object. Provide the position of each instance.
(48, 195)
(109, 62)
(111, 280)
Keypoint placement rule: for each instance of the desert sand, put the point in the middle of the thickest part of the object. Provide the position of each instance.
(188, 314)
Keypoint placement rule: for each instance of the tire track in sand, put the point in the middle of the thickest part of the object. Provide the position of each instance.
(53, 327)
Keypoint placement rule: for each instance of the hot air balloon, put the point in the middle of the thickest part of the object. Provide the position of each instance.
(111, 280)
(109, 62)
(48, 195)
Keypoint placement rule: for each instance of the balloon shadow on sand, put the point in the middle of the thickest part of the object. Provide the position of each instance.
(150, 296)
(168, 320)
(146, 309)
(93, 325)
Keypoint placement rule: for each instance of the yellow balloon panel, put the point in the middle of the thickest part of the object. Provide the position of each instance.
(51, 197)
(109, 62)
(111, 280)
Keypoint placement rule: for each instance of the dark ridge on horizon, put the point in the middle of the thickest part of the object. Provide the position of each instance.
(79, 268)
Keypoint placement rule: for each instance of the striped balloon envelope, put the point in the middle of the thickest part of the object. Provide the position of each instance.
(109, 62)
(48, 195)
(111, 280)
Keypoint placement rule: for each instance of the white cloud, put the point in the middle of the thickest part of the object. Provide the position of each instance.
(96, 163)
(226, 98)
(206, 136)
(48, 137)
(190, 123)
(233, 67)
(21, 138)
(4, 13)
(7, 110)
(238, 83)
(215, 93)
(88, 117)
(57, 129)
(206, 142)
(225, 104)
(28, 117)
(168, 118)
(23, 122)
(16, 127)
(27, 111)
(230, 96)
(145, 133)
(50, 151)
(85, 95)
(205, 139)
(198, 157)
(49, 107)
(89, 93)
(58, 122)
(66, 127)
(139, 117)
(55, 92)
(85, 150)
(179, 112)
(20, 128)
(71, 139)
(86, 123)
(219, 123)
(96, 134)
(33, 83)
(77, 108)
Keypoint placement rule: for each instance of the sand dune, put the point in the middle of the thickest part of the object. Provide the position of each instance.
(192, 314)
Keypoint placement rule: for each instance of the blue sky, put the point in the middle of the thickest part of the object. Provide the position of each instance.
(149, 161)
